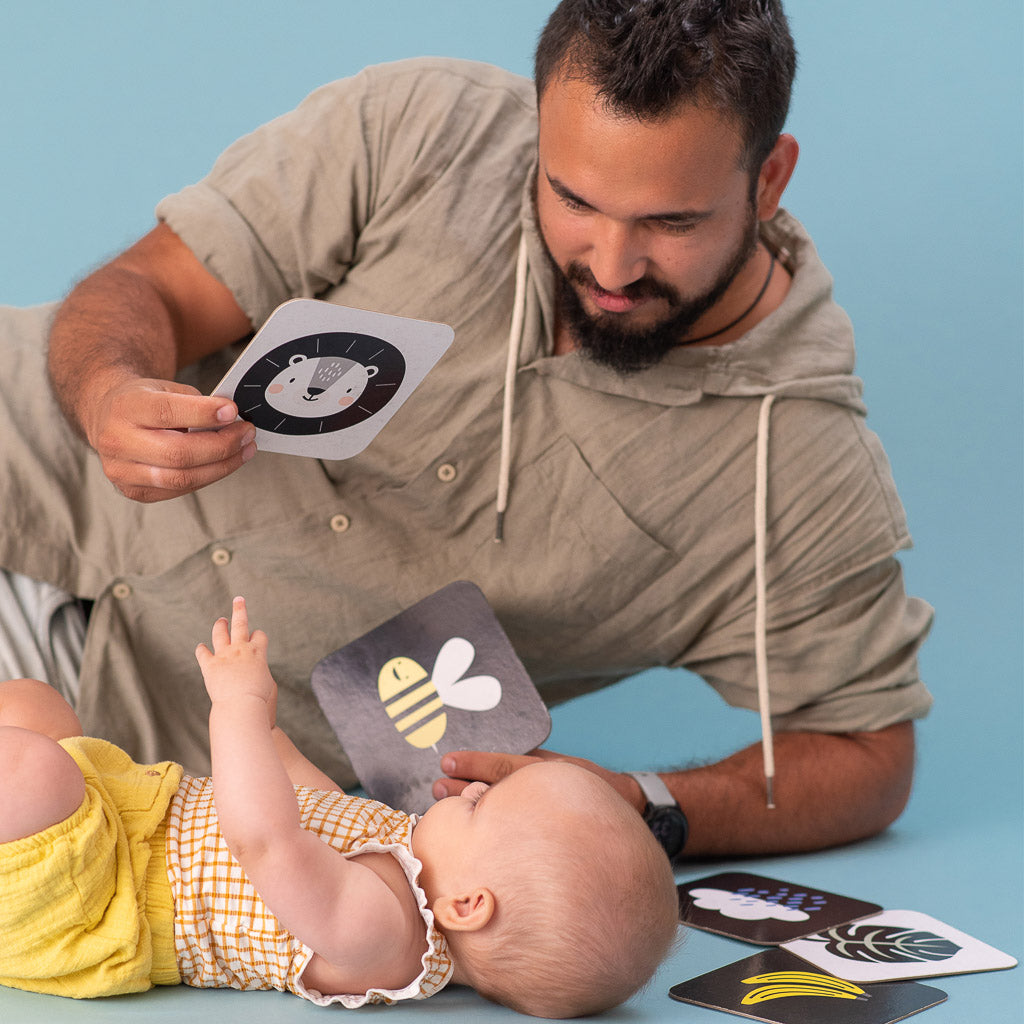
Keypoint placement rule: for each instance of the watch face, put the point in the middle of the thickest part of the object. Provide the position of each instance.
(669, 827)
(320, 383)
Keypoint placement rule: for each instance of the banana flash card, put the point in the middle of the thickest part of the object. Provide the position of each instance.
(440, 676)
(762, 910)
(895, 945)
(777, 987)
(322, 380)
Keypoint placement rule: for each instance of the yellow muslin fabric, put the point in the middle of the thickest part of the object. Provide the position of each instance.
(85, 905)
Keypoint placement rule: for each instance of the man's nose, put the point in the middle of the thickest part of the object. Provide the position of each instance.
(617, 256)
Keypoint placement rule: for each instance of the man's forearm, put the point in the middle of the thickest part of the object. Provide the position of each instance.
(829, 789)
(111, 328)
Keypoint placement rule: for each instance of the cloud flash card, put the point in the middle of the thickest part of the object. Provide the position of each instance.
(763, 910)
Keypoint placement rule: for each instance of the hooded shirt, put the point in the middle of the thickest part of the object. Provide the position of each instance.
(637, 529)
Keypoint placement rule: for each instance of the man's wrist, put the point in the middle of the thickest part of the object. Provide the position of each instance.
(663, 815)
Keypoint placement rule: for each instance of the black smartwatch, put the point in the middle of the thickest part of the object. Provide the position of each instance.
(663, 815)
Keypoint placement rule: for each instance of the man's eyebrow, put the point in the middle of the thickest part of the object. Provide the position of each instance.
(673, 216)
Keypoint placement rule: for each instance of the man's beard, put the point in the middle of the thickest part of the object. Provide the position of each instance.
(605, 339)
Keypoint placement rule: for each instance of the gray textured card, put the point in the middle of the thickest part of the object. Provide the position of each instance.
(440, 676)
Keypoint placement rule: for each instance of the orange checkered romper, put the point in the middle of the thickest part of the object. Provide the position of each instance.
(225, 936)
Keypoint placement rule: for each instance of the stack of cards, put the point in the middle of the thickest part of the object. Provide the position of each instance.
(440, 676)
(839, 959)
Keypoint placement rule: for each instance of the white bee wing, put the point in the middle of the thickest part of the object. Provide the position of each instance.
(477, 693)
(453, 660)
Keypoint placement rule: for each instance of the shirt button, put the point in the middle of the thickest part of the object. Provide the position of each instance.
(340, 522)
(220, 556)
(121, 591)
(446, 473)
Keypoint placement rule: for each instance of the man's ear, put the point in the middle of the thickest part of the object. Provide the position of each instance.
(775, 174)
(468, 912)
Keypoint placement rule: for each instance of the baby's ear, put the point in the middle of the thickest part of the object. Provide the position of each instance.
(468, 912)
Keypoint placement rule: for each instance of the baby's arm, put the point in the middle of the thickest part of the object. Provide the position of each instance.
(301, 771)
(341, 909)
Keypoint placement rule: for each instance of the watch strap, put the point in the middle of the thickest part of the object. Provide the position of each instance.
(654, 789)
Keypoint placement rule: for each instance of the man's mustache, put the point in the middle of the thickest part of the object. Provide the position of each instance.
(642, 288)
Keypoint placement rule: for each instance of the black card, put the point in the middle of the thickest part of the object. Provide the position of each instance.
(440, 676)
(780, 988)
(762, 910)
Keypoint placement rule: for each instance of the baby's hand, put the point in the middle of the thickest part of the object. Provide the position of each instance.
(238, 665)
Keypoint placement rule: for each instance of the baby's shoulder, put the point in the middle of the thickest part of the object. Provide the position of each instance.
(389, 959)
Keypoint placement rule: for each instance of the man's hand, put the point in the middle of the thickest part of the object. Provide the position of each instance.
(464, 767)
(237, 667)
(140, 430)
(116, 344)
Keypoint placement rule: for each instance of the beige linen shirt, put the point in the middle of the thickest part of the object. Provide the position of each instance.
(629, 532)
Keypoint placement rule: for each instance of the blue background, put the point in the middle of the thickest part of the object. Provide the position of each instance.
(909, 117)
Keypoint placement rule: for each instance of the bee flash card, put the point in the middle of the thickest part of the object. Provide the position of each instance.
(777, 987)
(440, 676)
(323, 380)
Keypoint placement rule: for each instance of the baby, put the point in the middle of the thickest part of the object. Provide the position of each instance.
(545, 892)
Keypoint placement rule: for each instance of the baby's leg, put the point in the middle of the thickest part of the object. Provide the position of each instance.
(40, 784)
(33, 705)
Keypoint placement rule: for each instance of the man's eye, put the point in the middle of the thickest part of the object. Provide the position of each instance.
(675, 227)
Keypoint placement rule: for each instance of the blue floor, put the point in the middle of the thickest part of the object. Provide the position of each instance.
(908, 116)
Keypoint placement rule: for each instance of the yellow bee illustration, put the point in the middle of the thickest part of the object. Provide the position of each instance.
(415, 701)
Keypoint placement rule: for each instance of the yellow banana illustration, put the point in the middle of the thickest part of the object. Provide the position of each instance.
(786, 984)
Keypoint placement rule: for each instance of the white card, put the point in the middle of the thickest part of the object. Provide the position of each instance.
(322, 380)
(897, 945)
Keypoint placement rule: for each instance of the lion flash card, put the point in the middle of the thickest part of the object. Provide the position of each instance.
(763, 910)
(322, 380)
(779, 988)
(440, 676)
(896, 945)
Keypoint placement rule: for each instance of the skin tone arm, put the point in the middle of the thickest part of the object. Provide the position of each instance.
(115, 345)
(339, 907)
(829, 789)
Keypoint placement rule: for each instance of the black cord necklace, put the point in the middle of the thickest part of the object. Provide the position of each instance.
(729, 326)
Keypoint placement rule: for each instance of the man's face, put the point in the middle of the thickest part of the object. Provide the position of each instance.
(648, 224)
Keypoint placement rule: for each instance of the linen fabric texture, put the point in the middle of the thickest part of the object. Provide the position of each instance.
(628, 539)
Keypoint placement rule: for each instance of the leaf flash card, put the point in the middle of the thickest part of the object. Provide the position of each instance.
(763, 910)
(779, 988)
(323, 380)
(895, 945)
(440, 676)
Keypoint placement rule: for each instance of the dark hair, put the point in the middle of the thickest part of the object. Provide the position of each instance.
(645, 57)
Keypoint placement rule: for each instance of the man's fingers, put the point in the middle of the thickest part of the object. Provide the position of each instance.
(147, 483)
(167, 405)
(465, 766)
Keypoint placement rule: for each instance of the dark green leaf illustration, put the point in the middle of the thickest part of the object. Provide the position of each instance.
(885, 944)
